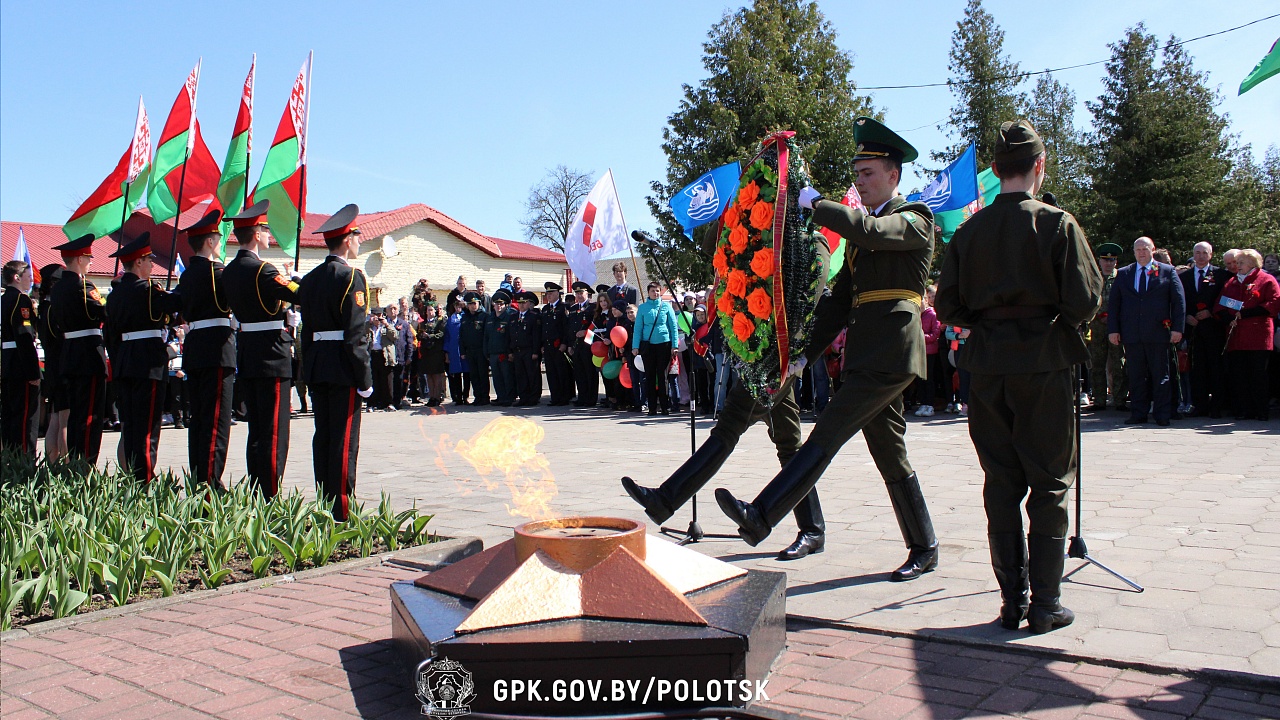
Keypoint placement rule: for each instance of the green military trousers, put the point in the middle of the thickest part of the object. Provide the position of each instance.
(870, 402)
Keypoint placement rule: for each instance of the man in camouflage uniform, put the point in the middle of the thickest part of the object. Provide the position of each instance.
(1106, 361)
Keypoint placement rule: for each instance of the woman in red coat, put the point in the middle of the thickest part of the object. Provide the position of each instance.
(1248, 304)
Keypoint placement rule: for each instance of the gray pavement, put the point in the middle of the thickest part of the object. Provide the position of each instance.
(1192, 512)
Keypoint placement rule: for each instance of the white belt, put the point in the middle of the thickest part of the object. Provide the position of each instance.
(329, 335)
(212, 322)
(262, 326)
(9, 345)
(82, 333)
(142, 335)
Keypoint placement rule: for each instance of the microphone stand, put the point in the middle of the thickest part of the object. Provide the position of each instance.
(694, 532)
(1077, 549)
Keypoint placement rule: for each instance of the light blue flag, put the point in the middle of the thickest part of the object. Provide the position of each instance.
(955, 187)
(178, 267)
(704, 199)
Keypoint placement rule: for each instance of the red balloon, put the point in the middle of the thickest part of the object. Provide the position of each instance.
(619, 336)
(624, 377)
(599, 349)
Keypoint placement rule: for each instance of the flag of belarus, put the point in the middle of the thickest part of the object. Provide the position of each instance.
(598, 232)
(105, 211)
(283, 175)
(184, 167)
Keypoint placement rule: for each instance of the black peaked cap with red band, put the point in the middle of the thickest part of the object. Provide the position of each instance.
(255, 214)
(205, 225)
(139, 247)
(340, 223)
(82, 245)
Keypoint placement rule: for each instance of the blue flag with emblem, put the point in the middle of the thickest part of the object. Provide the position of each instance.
(954, 187)
(704, 199)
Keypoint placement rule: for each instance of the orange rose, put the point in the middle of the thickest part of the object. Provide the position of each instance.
(762, 216)
(762, 263)
(732, 217)
(737, 283)
(720, 262)
(760, 304)
(725, 304)
(748, 195)
(738, 238)
(743, 328)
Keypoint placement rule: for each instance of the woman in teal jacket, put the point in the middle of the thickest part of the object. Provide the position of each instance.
(654, 340)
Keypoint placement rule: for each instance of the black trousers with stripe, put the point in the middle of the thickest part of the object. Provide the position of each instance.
(336, 444)
(267, 404)
(209, 391)
(18, 410)
(141, 405)
(88, 394)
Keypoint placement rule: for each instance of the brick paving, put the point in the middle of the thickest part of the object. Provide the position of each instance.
(320, 648)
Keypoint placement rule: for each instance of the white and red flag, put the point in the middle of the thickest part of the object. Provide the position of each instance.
(598, 232)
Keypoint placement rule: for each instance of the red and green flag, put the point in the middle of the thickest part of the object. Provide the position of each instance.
(1266, 67)
(184, 173)
(283, 178)
(233, 186)
(105, 211)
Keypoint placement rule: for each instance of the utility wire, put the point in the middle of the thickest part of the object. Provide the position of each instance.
(1053, 70)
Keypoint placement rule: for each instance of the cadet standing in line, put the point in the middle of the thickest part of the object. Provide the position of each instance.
(526, 344)
(19, 362)
(53, 386)
(1106, 361)
(208, 353)
(883, 283)
(139, 313)
(258, 294)
(586, 377)
(335, 358)
(471, 345)
(498, 328)
(555, 350)
(1021, 275)
(79, 313)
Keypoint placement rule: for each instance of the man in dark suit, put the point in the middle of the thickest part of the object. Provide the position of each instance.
(335, 358)
(621, 291)
(1202, 284)
(1147, 312)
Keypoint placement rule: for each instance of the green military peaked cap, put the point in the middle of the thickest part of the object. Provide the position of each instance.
(877, 141)
(1108, 250)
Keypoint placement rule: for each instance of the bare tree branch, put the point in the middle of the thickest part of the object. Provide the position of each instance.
(553, 206)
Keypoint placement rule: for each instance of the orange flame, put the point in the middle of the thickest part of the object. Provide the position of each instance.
(505, 452)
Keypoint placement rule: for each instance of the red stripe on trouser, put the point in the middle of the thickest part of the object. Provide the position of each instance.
(26, 418)
(148, 461)
(275, 438)
(93, 401)
(346, 452)
(217, 415)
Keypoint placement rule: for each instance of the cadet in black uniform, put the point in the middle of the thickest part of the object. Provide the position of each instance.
(258, 294)
(19, 363)
(138, 311)
(586, 377)
(78, 315)
(498, 329)
(335, 358)
(526, 345)
(471, 346)
(555, 349)
(52, 387)
(209, 352)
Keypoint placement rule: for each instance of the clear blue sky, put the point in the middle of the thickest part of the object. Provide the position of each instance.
(464, 106)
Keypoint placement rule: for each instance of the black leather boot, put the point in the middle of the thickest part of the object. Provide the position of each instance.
(917, 529)
(1009, 560)
(812, 537)
(1045, 558)
(684, 483)
(757, 519)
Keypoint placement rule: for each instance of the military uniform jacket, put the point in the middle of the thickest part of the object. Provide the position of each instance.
(893, 252)
(19, 362)
(526, 334)
(258, 293)
(498, 329)
(333, 299)
(50, 341)
(555, 325)
(205, 298)
(78, 306)
(139, 306)
(471, 334)
(1020, 252)
(578, 318)
(1098, 325)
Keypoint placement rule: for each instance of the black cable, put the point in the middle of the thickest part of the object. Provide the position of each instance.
(1018, 76)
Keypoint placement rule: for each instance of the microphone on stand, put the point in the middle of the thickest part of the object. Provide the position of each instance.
(642, 238)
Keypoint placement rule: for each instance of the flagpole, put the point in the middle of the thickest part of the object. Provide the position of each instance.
(124, 215)
(630, 249)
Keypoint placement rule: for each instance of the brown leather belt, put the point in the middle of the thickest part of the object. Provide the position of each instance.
(1019, 312)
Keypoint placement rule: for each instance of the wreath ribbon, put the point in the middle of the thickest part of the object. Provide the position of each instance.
(781, 331)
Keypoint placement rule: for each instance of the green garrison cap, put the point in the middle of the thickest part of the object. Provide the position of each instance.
(1017, 140)
(877, 141)
(1108, 250)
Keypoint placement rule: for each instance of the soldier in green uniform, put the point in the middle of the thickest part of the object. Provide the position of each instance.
(1106, 361)
(1021, 275)
(499, 327)
(882, 285)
